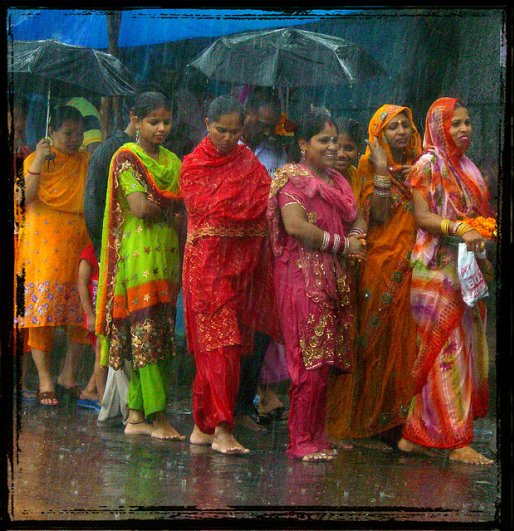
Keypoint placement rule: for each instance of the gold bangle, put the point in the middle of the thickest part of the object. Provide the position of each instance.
(462, 229)
(445, 223)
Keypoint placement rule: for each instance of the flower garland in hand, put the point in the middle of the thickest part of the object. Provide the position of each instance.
(485, 226)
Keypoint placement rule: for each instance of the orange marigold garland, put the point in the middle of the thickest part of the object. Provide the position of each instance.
(285, 127)
(485, 226)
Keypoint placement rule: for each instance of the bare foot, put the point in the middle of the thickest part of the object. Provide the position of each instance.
(88, 395)
(330, 451)
(138, 428)
(412, 448)
(318, 457)
(372, 444)
(245, 421)
(469, 455)
(201, 438)
(162, 429)
(268, 401)
(342, 444)
(225, 443)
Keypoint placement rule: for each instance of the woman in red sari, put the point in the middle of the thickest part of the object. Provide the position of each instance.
(227, 276)
(451, 368)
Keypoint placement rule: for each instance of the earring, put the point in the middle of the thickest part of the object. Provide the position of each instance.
(137, 135)
(302, 151)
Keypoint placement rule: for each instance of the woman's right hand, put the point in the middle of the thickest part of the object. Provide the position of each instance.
(474, 241)
(42, 150)
(378, 156)
(357, 247)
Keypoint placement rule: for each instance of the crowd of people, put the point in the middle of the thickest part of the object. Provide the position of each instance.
(296, 260)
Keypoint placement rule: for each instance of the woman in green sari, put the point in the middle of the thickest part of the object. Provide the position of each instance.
(139, 267)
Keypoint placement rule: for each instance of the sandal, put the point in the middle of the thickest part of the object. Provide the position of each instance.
(89, 404)
(318, 457)
(47, 395)
(70, 392)
(28, 396)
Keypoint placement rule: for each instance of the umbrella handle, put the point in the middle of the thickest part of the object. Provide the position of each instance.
(50, 156)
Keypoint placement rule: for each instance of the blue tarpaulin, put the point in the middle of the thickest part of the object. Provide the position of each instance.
(150, 26)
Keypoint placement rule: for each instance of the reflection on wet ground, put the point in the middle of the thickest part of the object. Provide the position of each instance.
(69, 468)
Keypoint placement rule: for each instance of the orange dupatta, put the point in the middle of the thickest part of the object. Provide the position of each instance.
(63, 180)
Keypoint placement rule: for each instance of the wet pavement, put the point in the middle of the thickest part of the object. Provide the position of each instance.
(67, 467)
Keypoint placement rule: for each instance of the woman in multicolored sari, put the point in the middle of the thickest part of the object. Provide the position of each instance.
(451, 368)
(227, 276)
(382, 382)
(139, 266)
(311, 212)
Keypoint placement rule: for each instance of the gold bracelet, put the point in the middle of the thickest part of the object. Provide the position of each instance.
(462, 229)
(444, 226)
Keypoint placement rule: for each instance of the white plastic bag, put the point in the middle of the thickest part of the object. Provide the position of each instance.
(473, 285)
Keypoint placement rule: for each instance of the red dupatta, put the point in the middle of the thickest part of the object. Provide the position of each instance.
(224, 193)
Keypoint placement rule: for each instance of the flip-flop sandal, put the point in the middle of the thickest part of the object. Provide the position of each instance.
(318, 457)
(47, 395)
(70, 392)
(89, 404)
(28, 396)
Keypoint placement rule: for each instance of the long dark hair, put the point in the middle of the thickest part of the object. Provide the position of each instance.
(150, 101)
(350, 127)
(310, 125)
(224, 105)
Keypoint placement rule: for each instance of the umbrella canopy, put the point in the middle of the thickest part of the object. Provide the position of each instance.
(286, 57)
(68, 70)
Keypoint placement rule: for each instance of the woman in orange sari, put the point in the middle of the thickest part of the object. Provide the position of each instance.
(50, 243)
(386, 343)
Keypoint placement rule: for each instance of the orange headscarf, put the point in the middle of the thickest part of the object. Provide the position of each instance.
(63, 180)
(375, 131)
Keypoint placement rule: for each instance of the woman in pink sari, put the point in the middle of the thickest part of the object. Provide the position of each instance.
(311, 211)
(450, 371)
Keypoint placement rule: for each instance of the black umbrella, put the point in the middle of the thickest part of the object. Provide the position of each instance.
(286, 57)
(50, 66)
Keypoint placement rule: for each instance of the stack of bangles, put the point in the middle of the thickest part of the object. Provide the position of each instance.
(332, 242)
(355, 231)
(382, 186)
(459, 229)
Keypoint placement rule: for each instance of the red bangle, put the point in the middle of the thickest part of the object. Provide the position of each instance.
(330, 241)
(32, 173)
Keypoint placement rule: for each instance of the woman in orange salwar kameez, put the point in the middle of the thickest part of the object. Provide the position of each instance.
(50, 243)
(451, 369)
(386, 343)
